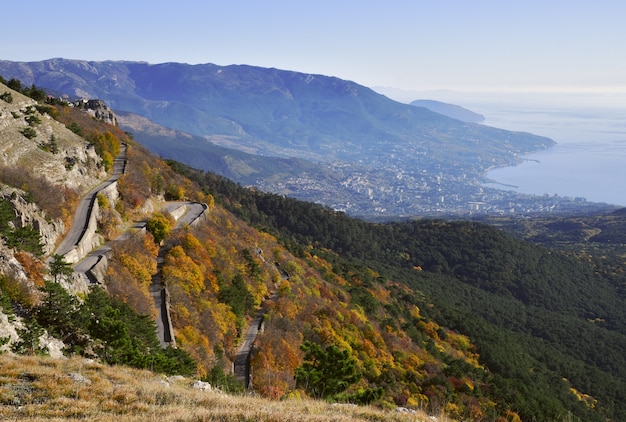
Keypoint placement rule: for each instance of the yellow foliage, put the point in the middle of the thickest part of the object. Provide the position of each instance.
(286, 308)
(454, 410)
(512, 416)
(211, 281)
(290, 355)
(417, 400)
(180, 314)
(139, 271)
(190, 335)
(415, 312)
(589, 401)
(430, 328)
(223, 317)
(359, 313)
(284, 289)
(458, 340)
(182, 270)
(380, 293)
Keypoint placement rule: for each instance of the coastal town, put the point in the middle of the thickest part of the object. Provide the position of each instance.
(394, 192)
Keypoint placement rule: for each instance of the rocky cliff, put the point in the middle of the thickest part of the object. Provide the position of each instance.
(43, 167)
(35, 142)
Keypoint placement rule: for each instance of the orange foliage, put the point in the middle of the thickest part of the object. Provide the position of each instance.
(381, 294)
(122, 286)
(274, 363)
(130, 272)
(33, 267)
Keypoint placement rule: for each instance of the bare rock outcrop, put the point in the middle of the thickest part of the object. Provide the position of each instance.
(33, 140)
(98, 109)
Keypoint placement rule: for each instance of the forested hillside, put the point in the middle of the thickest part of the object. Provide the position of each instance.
(548, 328)
(452, 317)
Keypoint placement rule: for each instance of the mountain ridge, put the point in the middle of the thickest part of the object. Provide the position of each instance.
(450, 110)
(401, 151)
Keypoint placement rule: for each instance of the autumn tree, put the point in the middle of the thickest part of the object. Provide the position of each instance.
(130, 271)
(159, 226)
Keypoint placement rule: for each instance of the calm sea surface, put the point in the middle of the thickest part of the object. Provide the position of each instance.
(588, 161)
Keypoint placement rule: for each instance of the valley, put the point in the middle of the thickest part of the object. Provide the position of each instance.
(445, 315)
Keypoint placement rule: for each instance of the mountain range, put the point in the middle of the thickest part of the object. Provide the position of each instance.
(356, 150)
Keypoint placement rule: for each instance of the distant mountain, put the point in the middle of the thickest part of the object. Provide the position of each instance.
(394, 158)
(450, 110)
(272, 111)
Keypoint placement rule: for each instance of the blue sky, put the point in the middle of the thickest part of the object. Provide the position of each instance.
(471, 45)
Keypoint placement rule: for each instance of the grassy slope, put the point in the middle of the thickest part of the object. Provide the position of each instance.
(45, 389)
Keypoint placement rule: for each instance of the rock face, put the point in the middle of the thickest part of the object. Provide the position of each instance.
(36, 150)
(29, 214)
(36, 145)
(98, 109)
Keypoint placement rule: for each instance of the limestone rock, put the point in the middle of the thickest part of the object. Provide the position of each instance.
(201, 385)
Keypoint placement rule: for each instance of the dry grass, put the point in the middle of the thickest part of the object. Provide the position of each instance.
(46, 389)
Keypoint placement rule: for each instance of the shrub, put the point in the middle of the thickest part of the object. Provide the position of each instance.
(15, 290)
(15, 84)
(6, 96)
(159, 226)
(26, 239)
(75, 128)
(326, 371)
(56, 201)
(29, 132)
(33, 120)
(7, 214)
(28, 343)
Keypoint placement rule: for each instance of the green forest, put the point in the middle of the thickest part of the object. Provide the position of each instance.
(548, 326)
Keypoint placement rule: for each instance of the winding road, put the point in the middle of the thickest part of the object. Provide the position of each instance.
(85, 206)
(185, 214)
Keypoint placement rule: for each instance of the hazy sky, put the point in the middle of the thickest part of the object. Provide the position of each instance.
(409, 44)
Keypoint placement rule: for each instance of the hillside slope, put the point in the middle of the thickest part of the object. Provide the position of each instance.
(215, 284)
(518, 303)
(450, 110)
(453, 317)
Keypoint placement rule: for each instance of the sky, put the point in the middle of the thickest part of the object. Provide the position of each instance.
(415, 45)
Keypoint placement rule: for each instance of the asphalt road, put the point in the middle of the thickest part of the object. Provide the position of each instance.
(81, 217)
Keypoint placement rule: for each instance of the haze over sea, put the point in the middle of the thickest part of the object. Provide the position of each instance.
(589, 159)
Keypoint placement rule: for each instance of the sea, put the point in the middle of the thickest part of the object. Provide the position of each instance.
(589, 158)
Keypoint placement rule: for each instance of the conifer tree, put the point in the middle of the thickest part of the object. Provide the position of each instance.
(59, 268)
(326, 371)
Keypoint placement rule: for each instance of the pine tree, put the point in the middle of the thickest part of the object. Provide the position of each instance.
(59, 268)
(326, 371)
